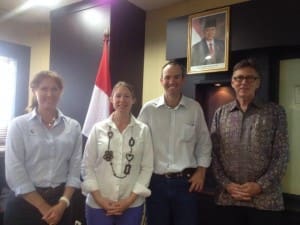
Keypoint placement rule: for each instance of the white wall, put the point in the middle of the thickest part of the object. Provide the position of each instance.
(289, 98)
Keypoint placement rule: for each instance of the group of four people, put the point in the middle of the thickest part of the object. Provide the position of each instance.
(161, 156)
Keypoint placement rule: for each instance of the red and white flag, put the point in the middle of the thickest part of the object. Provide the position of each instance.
(99, 107)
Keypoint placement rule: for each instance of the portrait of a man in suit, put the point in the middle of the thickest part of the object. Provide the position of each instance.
(208, 41)
(209, 50)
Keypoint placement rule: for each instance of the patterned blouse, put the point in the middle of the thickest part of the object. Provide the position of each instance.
(250, 146)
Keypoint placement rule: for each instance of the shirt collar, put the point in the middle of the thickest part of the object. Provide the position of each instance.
(161, 102)
(132, 122)
(255, 103)
(33, 114)
(212, 41)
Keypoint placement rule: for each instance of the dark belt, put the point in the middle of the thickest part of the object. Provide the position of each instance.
(50, 191)
(188, 172)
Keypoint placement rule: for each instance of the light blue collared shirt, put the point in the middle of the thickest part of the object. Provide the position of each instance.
(36, 156)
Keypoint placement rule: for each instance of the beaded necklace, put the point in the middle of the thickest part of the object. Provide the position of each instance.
(108, 155)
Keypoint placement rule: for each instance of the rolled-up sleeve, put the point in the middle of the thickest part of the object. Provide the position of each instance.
(89, 183)
(16, 175)
(73, 179)
(203, 145)
(141, 186)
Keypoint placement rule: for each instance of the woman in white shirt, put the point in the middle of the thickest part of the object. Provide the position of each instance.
(117, 164)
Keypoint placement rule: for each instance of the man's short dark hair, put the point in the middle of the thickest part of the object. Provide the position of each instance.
(250, 62)
(174, 63)
(210, 22)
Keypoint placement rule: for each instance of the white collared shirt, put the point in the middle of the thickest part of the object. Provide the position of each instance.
(211, 42)
(97, 172)
(180, 135)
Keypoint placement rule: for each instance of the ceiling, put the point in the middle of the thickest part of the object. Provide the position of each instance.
(153, 4)
(9, 9)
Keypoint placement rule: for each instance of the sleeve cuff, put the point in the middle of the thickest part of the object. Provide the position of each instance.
(141, 190)
(88, 186)
(73, 182)
(204, 162)
(23, 189)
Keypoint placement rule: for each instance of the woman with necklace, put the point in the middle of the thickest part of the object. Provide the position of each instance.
(117, 164)
(42, 158)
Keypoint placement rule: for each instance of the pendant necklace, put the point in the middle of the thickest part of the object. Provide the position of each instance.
(108, 155)
(51, 122)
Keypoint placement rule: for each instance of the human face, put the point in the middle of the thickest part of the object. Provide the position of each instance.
(47, 94)
(210, 33)
(172, 80)
(245, 81)
(122, 100)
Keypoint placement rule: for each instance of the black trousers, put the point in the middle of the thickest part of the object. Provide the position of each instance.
(20, 212)
(238, 215)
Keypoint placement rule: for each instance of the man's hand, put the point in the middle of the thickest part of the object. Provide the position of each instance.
(252, 188)
(55, 213)
(197, 180)
(243, 192)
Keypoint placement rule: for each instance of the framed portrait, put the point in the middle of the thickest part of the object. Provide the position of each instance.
(208, 40)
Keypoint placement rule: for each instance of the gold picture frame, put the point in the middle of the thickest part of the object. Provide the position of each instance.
(208, 41)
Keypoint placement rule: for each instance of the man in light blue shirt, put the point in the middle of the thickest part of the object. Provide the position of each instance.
(182, 152)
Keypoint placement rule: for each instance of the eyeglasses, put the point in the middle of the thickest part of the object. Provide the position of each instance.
(246, 78)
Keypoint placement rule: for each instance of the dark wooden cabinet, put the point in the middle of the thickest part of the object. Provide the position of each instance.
(253, 24)
(76, 48)
(177, 31)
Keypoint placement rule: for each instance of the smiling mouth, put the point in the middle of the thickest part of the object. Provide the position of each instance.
(122, 106)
